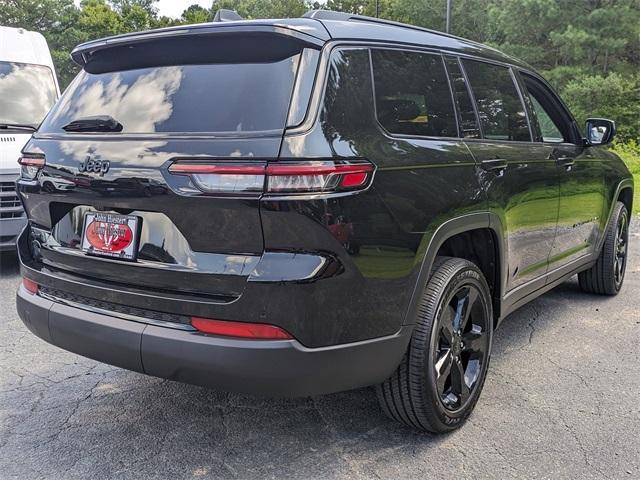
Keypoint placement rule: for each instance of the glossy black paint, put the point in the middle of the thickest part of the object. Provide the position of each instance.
(330, 269)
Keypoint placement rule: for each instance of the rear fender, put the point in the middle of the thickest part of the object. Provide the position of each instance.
(431, 245)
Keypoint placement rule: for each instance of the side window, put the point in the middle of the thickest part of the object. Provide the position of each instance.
(466, 113)
(412, 94)
(346, 110)
(554, 124)
(548, 129)
(502, 115)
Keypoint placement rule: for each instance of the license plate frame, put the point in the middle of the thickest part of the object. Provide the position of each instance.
(111, 235)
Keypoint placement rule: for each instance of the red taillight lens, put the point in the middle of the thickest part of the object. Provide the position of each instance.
(257, 331)
(30, 286)
(353, 180)
(316, 176)
(31, 165)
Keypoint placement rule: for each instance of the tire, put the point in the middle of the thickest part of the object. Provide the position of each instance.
(607, 275)
(415, 394)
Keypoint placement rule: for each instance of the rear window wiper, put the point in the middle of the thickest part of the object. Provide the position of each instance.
(100, 123)
(17, 126)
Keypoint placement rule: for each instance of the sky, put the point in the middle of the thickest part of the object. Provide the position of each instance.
(174, 8)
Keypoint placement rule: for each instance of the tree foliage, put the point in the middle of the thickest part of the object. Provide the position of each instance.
(588, 49)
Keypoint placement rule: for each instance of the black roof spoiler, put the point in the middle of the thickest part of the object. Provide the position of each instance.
(295, 29)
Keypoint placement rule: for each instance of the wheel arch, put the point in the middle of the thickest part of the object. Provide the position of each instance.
(626, 196)
(477, 237)
(623, 193)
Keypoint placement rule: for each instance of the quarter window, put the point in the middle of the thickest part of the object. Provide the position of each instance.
(466, 113)
(502, 115)
(412, 94)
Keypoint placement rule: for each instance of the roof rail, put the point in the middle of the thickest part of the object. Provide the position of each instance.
(328, 15)
(348, 17)
(224, 15)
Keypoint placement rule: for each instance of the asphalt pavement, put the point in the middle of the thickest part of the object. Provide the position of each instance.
(560, 401)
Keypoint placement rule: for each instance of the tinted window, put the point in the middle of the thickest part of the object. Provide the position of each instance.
(346, 111)
(548, 129)
(412, 94)
(240, 97)
(553, 124)
(27, 92)
(466, 113)
(502, 115)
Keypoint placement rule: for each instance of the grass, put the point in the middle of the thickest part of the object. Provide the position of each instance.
(630, 153)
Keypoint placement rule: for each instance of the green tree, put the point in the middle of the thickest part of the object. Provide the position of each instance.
(250, 9)
(195, 14)
(588, 49)
(613, 96)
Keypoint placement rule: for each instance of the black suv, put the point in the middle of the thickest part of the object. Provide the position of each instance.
(303, 206)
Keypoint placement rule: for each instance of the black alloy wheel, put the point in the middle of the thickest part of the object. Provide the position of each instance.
(438, 382)
(622, 248)
(606, 276)
(461, 347)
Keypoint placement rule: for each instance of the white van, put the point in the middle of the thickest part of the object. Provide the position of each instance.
(28, 89)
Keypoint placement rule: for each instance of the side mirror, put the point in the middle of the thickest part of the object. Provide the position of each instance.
(600, 131)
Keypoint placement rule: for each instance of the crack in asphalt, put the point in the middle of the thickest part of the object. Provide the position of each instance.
(65, 424)
(532, 322)
(584, 452)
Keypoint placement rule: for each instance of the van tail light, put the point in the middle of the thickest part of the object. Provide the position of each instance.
(256, 331)
(30, 286)
(315, 176)
(31, 165)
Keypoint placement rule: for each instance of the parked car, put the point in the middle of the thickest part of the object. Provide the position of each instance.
(348, 202)
(28, 89)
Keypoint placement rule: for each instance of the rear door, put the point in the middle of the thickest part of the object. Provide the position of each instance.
(175, 141)
(517, 174)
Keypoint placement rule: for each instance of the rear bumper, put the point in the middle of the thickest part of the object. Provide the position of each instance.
(265, 367)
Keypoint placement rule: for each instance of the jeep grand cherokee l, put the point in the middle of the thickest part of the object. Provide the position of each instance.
(303, 206)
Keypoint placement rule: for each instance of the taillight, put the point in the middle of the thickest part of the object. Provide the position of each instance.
(256, 331)
(31, 165)
(30, 286)
(229, 178)
(315, 176)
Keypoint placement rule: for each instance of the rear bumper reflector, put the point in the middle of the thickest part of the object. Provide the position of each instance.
(257, 331)
(30, 286)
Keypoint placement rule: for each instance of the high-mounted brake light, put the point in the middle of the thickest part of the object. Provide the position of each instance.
(256, 331)
(315, 176)
(31, 165)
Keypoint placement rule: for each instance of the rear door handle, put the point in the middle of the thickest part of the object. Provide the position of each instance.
(498, 165)
(566, 162)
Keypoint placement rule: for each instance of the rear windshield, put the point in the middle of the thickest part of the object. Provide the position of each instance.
(238, 97)
(27, 92)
